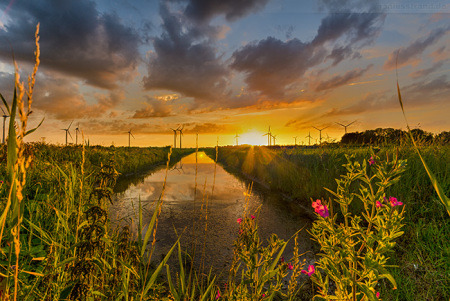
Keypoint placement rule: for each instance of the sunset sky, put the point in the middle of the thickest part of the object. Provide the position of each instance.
(226, 67)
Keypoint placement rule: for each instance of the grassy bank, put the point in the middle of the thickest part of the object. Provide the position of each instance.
(66, 248)
(423, 252)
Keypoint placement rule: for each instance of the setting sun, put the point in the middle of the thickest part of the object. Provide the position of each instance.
(252, 137)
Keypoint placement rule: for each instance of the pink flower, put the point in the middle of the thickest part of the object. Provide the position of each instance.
(378, 295)
(218, 295)
(290, 266)
(371, 161)
(322, 210)
(252, 216)
(394, 201)
(239, 220)
(263, 295)
(379, 204)
(310, 271)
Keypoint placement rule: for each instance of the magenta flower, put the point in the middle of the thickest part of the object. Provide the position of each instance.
(378, 295)
(239, 220)
(263, 295)
(290, 266)
(322, 210)
(252, 216)
(394, 201)
(310, 271)
(218, 295)
(379, 204)
(371, 161)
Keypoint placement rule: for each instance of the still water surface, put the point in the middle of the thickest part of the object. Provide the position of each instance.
(191, 208)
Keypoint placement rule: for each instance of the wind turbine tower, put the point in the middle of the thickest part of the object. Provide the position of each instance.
(309, 136)
(295, 140)
(237, 136)
(320, 133)
(4, 120)
(76, 134)
(181, 133)
(129, 138)
(345, 126)
(68, 132)
(269, 135)
(174, 137)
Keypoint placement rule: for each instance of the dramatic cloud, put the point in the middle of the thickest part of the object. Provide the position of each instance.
(410, 55)
(205, 128)
(271, 66)
(340, 80)
(205, 10)
(154, 108)
(185, 61)
(75, 39)
(61, 98)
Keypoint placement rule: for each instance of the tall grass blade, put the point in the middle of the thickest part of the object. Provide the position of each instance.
(437, 187)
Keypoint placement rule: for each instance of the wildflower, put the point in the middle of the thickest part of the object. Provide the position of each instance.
(394, 202)
(379, 204)
(310, 271)
(371, 161)
(290, 266)
(218, 295)
(263, 295)
(239, 220)
(322, 210)
(1, 182)
(252, 216)
(378, 295)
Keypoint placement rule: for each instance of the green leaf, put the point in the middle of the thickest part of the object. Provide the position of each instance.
(367, 291)
(66, 292)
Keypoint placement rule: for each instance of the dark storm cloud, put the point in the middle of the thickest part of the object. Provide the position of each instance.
(410, 53)
(340, 80)
(271, 65)
(185, 61)
(205, 10)
(75, 39)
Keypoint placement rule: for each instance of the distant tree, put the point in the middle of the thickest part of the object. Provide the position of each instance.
(443, 138)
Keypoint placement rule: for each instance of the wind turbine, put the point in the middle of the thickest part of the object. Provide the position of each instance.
(274, 139)
(68, 132)
(295, 139)
(320, 135)
(237, 136)
(181, 133)
(345, 126)
(129, 137)
(4, 119)
(174, 137)
(76, 134)
(309, 136)
(269, 135)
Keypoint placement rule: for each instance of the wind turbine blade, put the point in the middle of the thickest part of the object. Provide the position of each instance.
(341, 124)
(69, 134)
(316, 128)
(132, 135)
(70, 125)
(351, 123)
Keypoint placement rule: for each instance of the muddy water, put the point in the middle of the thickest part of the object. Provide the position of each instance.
(190, 208)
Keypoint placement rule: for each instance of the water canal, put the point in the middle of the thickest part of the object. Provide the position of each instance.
(191, 204)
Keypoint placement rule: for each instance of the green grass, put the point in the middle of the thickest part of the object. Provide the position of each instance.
(422, 254)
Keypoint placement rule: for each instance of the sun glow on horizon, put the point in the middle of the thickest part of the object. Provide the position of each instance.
(252, 137)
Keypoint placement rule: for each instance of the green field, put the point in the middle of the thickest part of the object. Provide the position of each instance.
(67, 249)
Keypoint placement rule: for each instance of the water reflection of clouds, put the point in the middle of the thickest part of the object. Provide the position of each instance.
(180, 211)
